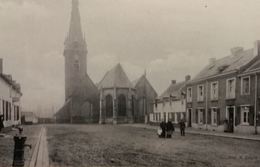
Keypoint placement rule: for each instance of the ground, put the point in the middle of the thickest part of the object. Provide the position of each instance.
(7, 145)
(109, 145)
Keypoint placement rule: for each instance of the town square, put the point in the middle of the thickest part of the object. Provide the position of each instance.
(129, 83)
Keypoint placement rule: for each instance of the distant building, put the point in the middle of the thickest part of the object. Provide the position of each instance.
(29, 118)
(224, 96)
(10, 94)
(171, 104)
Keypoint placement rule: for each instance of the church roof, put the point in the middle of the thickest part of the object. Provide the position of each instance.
(87, 89)
(143, 82)
(116, 77)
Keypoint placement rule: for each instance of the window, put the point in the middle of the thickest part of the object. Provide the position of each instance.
(18, 113)
(231, 88)
(245, 85)
(200, 116)
(189, 94)
(244, 115)
(214, 116)
(76, 63)
(200, 92)
(214, 91)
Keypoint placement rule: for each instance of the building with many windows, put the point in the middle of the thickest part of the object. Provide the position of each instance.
(10, 94)
(224, 96)
(171, 104)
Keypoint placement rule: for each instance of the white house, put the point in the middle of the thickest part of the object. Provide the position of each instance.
(10, 94)
(171, 105)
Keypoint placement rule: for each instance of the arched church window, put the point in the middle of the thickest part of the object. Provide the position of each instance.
(121, 105)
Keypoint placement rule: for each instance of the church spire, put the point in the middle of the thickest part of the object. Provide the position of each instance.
(75, 32)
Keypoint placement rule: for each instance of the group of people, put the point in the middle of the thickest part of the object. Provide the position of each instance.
(166, 129)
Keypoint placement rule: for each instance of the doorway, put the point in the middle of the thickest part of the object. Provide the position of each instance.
(230, 115)
(189, 117)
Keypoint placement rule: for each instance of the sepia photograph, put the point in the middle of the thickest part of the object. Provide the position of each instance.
(129, 83)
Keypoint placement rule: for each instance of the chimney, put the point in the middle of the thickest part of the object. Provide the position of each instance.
(173, 81)
(257, 48)
(212, 60)
(1, 66)
(187, 77)
(236, 50)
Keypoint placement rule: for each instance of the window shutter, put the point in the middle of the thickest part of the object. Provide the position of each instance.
(209, 116)
(196, 116)
(218, 116)
(238, 116)
(204, 116)
(251, 116)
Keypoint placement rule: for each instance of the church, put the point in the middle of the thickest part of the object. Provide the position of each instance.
(115, 99)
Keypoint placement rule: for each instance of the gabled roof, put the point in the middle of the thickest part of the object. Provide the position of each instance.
(143, 81)
(8, 79)
(174, 90)
(87, 89)
(116, 77)
(254, 66)
(227, 64)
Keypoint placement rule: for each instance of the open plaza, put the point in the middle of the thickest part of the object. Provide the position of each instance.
(124, 145)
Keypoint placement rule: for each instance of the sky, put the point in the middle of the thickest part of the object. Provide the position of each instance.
(169, 39)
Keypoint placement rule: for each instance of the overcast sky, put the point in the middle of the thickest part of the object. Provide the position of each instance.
(168, 38)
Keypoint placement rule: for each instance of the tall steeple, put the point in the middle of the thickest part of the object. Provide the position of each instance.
(75, 32)
(75, 53)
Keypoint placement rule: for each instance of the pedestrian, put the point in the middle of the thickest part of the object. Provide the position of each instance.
(182, 127)
(170, 129)
(163, 128)
(1, 123)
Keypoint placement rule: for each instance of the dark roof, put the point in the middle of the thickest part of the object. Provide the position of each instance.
(8, 79)
(116, 77)
(174, 90)
(254, 66)
(226, 64)
(143, 81)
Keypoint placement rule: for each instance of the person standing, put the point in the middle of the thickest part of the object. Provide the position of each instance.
(1, 122)
(182, 127)
(170, 129)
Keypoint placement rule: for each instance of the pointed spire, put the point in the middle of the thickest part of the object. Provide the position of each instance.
(75, 32)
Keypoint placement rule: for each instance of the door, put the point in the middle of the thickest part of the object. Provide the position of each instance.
(230, 118)
(189, 117)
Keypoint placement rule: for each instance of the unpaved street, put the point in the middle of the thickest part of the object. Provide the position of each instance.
(108, 145)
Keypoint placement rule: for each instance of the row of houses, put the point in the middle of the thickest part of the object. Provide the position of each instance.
(10, 94)
(223, 96)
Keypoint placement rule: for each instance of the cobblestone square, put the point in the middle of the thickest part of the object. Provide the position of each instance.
(108, 145)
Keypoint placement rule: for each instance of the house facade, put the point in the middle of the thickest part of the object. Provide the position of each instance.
(222, 97)
(10, 94)
(171, 104)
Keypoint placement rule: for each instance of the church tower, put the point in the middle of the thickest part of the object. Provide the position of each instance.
(75, 53)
